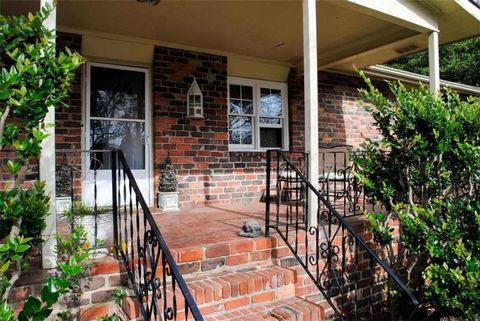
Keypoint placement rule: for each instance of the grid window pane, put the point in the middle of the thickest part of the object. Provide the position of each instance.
(251, 115)
(240, 130)
(235, 91)
(270, 102)
(247, 92)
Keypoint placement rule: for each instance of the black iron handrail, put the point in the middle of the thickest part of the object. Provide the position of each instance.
(153, 273)
(350, 275)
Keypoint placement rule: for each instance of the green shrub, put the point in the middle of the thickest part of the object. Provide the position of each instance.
(426, 171)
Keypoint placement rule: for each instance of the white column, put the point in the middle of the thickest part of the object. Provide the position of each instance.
(311, 100)
(434, 61)
(47, 167)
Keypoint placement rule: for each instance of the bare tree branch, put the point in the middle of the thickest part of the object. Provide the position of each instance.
(3, 121)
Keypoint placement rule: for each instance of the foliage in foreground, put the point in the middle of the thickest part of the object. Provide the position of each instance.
(426, 171)
(33, 77)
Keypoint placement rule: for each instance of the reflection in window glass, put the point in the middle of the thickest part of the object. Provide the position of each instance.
(126, 136)
(270, 102)
(116, 93)
(240, 130)
(257, 116)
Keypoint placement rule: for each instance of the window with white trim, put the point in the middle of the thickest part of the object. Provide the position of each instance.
(257, 115)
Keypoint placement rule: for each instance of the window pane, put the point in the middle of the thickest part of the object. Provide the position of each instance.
(240, 130)
(235, 106)
(265, 120)
(270, 102)
(247, 107)
(240, 123)
(247, 92)
(126, 136)
(117, 93)
(235, 91)
(246, 138)
(271, 137)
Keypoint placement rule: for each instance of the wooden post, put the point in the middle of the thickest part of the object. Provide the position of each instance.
(311, 101)
(47, 167)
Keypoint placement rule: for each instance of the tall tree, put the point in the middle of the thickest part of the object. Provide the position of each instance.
(459, 62)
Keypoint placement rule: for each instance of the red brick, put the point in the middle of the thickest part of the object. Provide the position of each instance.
(242, 246)
(91, 313)
(263, 297)
(131, 308)
(217, 250)
(238, 302)
(190, 255)
(265, 243)
(281, 252)
(237, 259)
(105, 267)
(260, 255)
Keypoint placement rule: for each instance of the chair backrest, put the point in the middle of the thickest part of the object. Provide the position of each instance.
(333, 158)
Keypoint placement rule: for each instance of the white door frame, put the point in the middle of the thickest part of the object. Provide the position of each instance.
(148, 121)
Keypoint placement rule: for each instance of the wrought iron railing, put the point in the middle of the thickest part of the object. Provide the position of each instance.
(355, 282)
(336, 180)
(160, 289)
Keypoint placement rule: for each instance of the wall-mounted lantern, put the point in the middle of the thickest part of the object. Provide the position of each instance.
(194, 101)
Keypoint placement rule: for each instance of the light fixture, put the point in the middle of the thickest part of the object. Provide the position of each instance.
(194, 101)
(152, 2)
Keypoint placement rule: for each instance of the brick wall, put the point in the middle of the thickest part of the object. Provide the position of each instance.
(198, 148)
(342, 121)
(101, 277)
(68, 121)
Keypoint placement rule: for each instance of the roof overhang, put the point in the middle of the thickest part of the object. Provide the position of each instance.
(351, 33)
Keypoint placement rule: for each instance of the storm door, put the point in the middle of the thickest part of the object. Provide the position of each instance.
(117, 117)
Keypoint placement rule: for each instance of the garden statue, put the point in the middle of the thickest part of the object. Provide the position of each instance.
(250, 228)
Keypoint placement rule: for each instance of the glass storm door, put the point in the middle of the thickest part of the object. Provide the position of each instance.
(117, 118)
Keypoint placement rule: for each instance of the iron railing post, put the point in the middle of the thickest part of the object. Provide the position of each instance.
(267, 194)
(114, 202)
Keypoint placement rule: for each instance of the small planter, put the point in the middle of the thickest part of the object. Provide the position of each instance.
(104, 230)
(168, 201)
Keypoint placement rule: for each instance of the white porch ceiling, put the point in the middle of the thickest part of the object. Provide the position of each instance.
(271, 30)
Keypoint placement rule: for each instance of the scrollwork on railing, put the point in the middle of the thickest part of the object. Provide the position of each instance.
(154, 276)
(352, 278)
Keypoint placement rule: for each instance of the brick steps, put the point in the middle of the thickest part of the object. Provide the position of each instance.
(295, 309)
(222, 292)
(234, 253)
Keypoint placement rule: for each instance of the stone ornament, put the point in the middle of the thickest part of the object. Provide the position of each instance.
(250, 228)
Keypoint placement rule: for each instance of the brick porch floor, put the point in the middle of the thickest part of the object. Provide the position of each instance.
(205, 225)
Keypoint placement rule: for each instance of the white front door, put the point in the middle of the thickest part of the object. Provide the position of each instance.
(117, 117)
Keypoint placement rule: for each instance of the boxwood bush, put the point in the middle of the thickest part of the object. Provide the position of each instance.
(426, 171)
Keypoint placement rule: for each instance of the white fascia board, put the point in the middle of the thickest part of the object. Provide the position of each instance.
(470, 8)
(402, 12)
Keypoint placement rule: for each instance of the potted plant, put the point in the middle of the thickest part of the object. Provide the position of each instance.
(167, 189)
